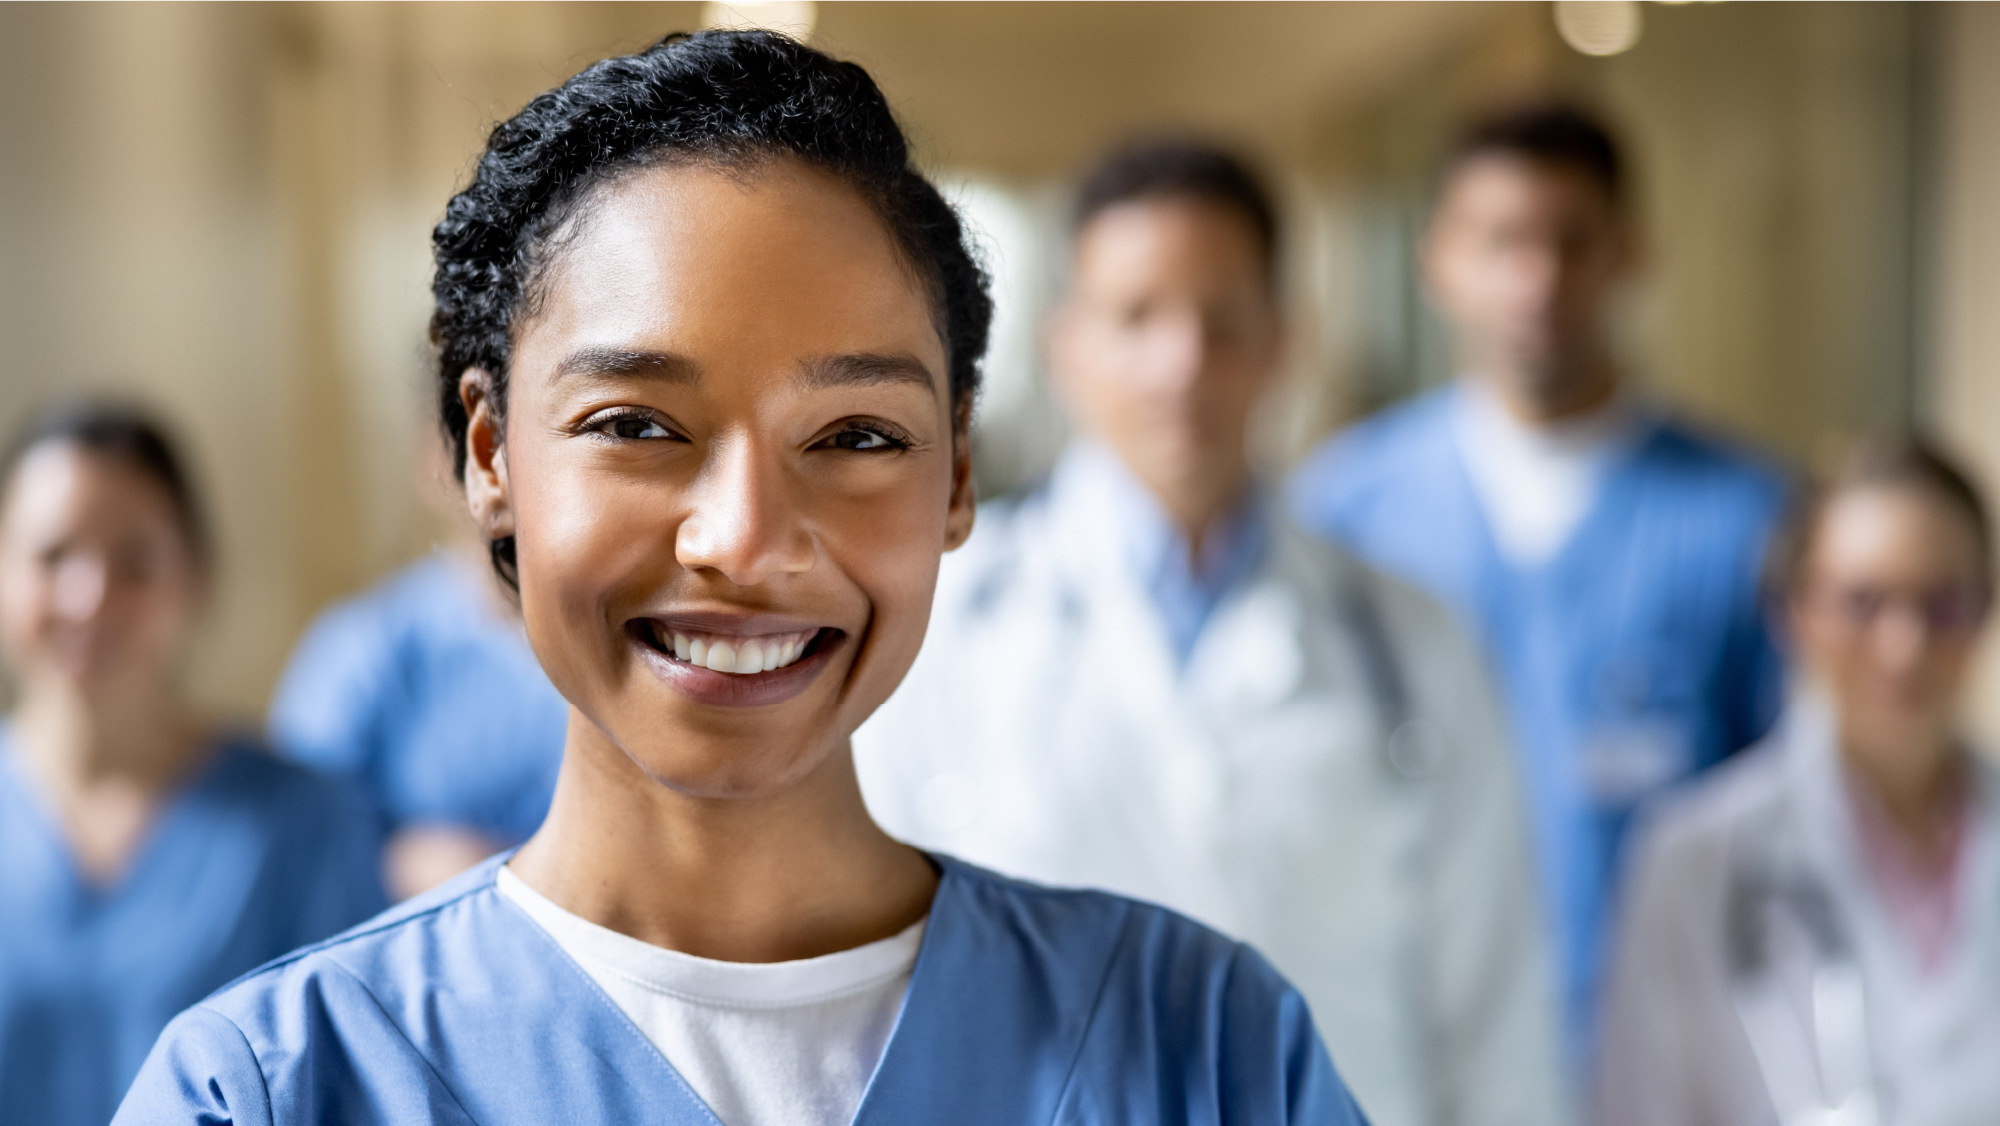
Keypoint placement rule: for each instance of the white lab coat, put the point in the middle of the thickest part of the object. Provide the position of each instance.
(1347, 806)
(1758, 978)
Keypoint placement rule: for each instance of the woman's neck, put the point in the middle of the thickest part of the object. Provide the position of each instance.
(105, 764)
(1921, 790)
(797, 875)
(138, 733)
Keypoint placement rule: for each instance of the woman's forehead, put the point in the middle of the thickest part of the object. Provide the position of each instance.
(56, 483)
(1861, 524)
(779, 248)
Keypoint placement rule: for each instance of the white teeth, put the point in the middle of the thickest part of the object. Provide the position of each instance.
(741, 656)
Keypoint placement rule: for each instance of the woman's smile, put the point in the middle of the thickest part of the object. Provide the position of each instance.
(730, 661)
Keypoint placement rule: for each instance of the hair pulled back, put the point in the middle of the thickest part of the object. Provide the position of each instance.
(121, 433)
(1875, 461)
(730, 98)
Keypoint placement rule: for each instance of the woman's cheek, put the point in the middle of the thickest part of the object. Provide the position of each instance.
(571, 552)
(897, 582)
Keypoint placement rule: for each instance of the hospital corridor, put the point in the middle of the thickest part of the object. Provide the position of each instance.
(808, 562)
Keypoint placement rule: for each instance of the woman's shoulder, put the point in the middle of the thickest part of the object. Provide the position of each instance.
(1124, 954)
(392, 952)
(1073, 912)
(368, 966)
(349, 1012)
(1703, 814)
(1111, 996)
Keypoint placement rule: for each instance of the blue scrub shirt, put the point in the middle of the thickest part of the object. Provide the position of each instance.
(250, 859)
(438, 708)
(1636, 656)
(1026, 1005)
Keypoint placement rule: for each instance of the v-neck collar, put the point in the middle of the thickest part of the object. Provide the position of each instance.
(1807, 740)
(1613, 502)
(1029, 1018)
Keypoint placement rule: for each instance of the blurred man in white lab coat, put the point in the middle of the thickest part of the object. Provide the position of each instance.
(1141, 677)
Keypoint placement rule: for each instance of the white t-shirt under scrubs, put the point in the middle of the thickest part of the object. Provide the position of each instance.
(763, 1044)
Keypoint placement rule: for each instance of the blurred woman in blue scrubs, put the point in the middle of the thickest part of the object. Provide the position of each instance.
(708, 348)
(145, 859)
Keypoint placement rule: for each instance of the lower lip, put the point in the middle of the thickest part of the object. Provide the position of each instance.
(740, 690)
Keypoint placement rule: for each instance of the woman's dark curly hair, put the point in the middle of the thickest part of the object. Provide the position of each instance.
(730, 98)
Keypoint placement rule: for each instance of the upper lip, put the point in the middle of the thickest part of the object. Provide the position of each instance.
(731, 624)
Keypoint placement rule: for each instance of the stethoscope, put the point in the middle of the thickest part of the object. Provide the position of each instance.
(1813, 1049)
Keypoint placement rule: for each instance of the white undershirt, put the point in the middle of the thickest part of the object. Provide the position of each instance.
(763, 1044)
(1536, 483)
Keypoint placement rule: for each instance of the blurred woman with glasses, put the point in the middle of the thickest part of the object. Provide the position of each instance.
(1813, 930)
(145, 860)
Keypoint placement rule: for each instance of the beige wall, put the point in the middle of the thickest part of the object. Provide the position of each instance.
(1771, 152)
(225, 208)
(139, 250)
(1962, 399)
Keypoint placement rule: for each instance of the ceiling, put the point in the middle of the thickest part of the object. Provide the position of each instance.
(1010, 88)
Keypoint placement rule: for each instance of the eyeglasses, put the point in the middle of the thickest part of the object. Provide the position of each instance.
(1955, 609)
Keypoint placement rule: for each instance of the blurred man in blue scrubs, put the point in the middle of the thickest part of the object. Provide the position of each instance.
(1607, 553)
(425, 691)
(1142, 676)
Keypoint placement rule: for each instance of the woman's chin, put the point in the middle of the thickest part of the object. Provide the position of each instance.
(725, 769)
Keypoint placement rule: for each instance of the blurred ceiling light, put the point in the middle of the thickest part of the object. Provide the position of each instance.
(1598, 27)
(792, 17)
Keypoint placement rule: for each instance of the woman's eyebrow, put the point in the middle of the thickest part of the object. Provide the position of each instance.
(626, 363)
(865, 369)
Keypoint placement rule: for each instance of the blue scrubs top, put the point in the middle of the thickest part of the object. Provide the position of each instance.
(436, 706)
(1635, 656)
(252, 858)
(1027, 1005)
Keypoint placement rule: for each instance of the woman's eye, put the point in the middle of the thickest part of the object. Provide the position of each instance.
(862, 438)
(633, 428)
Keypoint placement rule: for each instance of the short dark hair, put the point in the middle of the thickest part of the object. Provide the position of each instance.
(1177, 167)
(725, 98)
(123, 433)
(1558, 133)
(1875, 461)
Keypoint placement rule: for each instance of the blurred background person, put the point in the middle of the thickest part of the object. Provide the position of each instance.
(1607, 553)
(1139, 676)
(1812, 932)
(145, 857)
(424, 689)
(1823, 222)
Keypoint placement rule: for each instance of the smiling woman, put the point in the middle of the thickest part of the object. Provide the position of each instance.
(708, 352)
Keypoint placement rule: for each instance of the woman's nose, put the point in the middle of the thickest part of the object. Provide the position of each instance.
(81, 582)
(1902, 636)
(745, 523)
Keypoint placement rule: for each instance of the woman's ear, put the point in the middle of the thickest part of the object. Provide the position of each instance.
(485, 457)
(964, 493)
